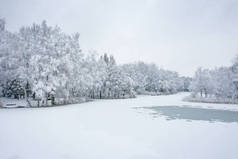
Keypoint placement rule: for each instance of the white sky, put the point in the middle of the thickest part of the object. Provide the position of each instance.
(179, 35)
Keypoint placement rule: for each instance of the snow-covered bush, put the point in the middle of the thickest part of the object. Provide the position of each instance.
(13, 89)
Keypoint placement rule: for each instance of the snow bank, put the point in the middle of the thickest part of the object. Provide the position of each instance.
(21, 103)
(210, 100)
(78, 100)
(12, 103)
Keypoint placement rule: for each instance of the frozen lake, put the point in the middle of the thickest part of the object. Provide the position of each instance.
(192, 114)
(148, 127)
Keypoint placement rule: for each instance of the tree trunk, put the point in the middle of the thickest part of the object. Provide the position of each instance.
(53, 100)
(26, 97)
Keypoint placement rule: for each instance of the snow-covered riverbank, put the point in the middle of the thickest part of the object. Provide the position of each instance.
(105, 129)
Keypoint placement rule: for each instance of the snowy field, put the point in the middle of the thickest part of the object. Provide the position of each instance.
(148, 127)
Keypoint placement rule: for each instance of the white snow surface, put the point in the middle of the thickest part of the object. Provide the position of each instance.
(113, 129)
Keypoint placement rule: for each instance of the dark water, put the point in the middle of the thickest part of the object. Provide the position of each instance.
(190, 114)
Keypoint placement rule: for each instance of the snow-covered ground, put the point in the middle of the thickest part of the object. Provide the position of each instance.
(116, 129)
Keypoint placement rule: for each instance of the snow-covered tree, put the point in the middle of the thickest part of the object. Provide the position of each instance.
(147, 78)
(2, 24)
(116, 83)
(202, 82)
(42, 62)
(219, 83)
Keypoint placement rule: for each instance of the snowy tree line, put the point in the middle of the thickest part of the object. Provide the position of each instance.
(43, 63)
(219, 83)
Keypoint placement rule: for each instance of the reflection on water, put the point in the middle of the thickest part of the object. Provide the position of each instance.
(189, 113)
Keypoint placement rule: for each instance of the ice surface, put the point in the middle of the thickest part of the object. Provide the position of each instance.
(114, 129)
(191, 113)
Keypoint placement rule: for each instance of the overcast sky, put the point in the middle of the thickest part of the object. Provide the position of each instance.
(180, 35)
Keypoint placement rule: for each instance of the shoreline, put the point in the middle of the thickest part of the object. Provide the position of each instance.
(210, 100)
